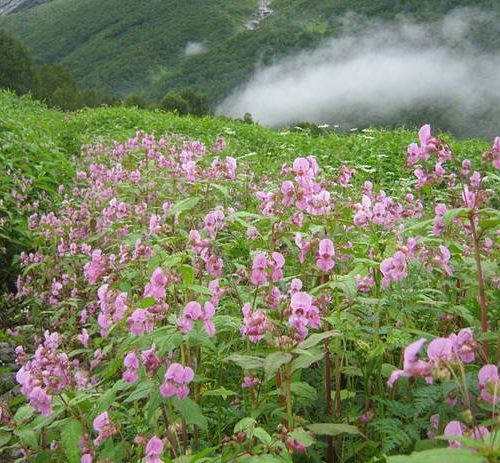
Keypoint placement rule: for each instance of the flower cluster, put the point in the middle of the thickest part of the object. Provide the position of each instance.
(441, 352)
(176, 381)
(194, 311)
(48, 373)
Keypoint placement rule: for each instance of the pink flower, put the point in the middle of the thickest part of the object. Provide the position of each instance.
(176, 381)
(258, 274)
(252, 233)
(394, 268)
(276, 264)
(442, 258)
(140, 322)
(489, 384)
(454, 428)
(193, 312)
(364, 284)
(150, 360)
(464, 345)
(434, 426)
(96, 268)
(249, 382)
(304, 247)
(303, 314)
(440, 349)
(131, 363)
(254, 323)
(157, 284)
(84, 338)
(469, 198)
(412, 365)
(326, 251)
(154, 449)
(104, 426)
(41, 401)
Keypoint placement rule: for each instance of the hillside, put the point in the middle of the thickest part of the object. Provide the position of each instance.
(212, 291)
(124, 45)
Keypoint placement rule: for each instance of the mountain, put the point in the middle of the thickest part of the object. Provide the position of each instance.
(11, 6)
(121, 46)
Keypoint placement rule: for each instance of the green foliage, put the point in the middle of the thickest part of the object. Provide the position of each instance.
(185, 102)
(16, 70)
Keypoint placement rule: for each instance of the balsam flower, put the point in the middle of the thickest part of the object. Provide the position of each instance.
(176, 381)
(104, 426)
(154, 449)
(324, 259)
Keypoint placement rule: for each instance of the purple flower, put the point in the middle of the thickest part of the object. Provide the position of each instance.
(104, 426)
(258, 275)
(412, 365)
(84, 338)
(131, 364)
(454, 428)
(156, 286)
(464, 345)
(176, 381)
(324, 259)
(140, 322)
(440, 349)
(154, 448)
(276, 264)
(489, 384)
(250, 382)
(394, 268)
(254, 323)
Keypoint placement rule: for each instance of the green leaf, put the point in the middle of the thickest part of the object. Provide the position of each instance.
(143, 390)
(23, 413)
(443, 455)
(70, 438)
(274, 361)
(27, 436)
(316, 338)
(332, 429)
(246, 425)
(304, 390)
(262, 435)
(146, 302)
(302, 436)
(190, 411)
(247, 362)
(307, 358)
(4, 438)
(184, 205)
(220, 392)
(187, 273)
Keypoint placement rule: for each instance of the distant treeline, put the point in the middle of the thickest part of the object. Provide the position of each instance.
(55, 85)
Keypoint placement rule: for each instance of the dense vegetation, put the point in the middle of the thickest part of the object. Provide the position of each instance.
(206, 290)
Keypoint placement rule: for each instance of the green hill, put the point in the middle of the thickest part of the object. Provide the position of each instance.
(37, 145)
(124, 45)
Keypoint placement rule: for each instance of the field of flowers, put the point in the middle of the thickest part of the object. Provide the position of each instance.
(207, 301)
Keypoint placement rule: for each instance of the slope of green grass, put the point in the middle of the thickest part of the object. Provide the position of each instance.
(36, 145)
(123, 45)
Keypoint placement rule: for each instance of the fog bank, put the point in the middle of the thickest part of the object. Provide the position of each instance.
(382, 73)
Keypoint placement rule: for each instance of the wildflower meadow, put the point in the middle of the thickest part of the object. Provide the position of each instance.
(188, 301)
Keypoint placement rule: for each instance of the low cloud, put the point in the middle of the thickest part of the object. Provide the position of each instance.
(380, 73)
(194, 48)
